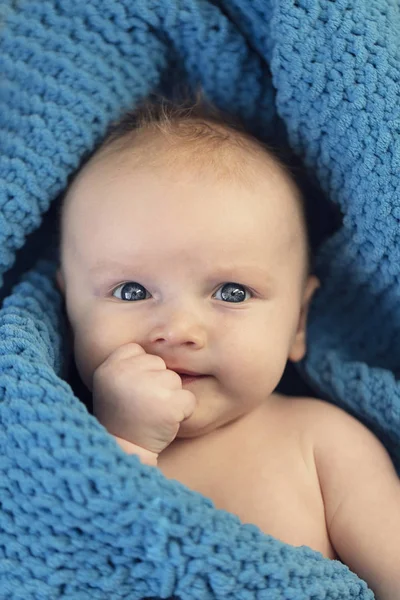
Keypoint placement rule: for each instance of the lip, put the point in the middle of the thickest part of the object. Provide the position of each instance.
(190, 378)
(188, 373)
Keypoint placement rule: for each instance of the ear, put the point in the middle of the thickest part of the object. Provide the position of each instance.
(298, 347)
(60, 281)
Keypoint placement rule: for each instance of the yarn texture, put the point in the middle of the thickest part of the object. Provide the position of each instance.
(79, 518)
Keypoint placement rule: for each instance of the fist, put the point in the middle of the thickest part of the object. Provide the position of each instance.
(138, 399)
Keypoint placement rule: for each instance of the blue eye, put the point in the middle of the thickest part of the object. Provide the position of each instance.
(130, 291)
(233, 292)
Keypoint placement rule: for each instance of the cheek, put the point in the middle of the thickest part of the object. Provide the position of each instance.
(89, 354)
(255, 352)
(96, 336)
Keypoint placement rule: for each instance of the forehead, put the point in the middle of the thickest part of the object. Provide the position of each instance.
(122, 196)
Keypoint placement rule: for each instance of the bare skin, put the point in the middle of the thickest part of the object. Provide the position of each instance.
(302, 470)
(262, 469)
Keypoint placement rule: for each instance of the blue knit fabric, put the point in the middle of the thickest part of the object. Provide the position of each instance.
(79, 518)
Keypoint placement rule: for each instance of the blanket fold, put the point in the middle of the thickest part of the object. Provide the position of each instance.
(80, 519)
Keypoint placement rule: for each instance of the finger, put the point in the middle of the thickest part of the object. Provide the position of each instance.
(187, 404)
(129, 350)
(167, 378)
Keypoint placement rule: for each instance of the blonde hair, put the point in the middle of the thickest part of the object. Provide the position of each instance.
(193, 131)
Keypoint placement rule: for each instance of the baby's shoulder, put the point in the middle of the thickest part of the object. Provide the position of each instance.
(332, 433)
(308, 406)
(317, 416)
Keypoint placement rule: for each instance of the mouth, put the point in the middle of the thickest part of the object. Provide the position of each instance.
(189, 377)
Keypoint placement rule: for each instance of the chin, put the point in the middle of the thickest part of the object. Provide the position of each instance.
(196, 427)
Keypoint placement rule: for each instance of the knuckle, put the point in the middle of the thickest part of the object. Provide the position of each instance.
(185, 404)
(174, 378)
(119, 354)
(128, 350)
(157, 360)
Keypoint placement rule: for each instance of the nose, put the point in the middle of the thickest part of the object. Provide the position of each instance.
(178, 328)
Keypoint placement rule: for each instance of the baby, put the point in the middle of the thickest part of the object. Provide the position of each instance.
(186, 275)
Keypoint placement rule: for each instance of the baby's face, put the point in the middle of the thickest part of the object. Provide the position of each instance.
(208, 275)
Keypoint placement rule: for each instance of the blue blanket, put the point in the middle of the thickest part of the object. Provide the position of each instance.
(80, 519)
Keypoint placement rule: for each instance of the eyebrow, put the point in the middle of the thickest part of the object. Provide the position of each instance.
(115, 268)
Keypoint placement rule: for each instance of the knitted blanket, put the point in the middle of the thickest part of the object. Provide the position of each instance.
(79, 518)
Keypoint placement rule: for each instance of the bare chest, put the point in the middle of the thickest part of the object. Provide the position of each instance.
(266, 477)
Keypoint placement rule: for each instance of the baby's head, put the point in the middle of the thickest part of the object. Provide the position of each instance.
(186, 235)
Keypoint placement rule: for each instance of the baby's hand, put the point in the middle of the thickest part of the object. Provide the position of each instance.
(139, 400)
